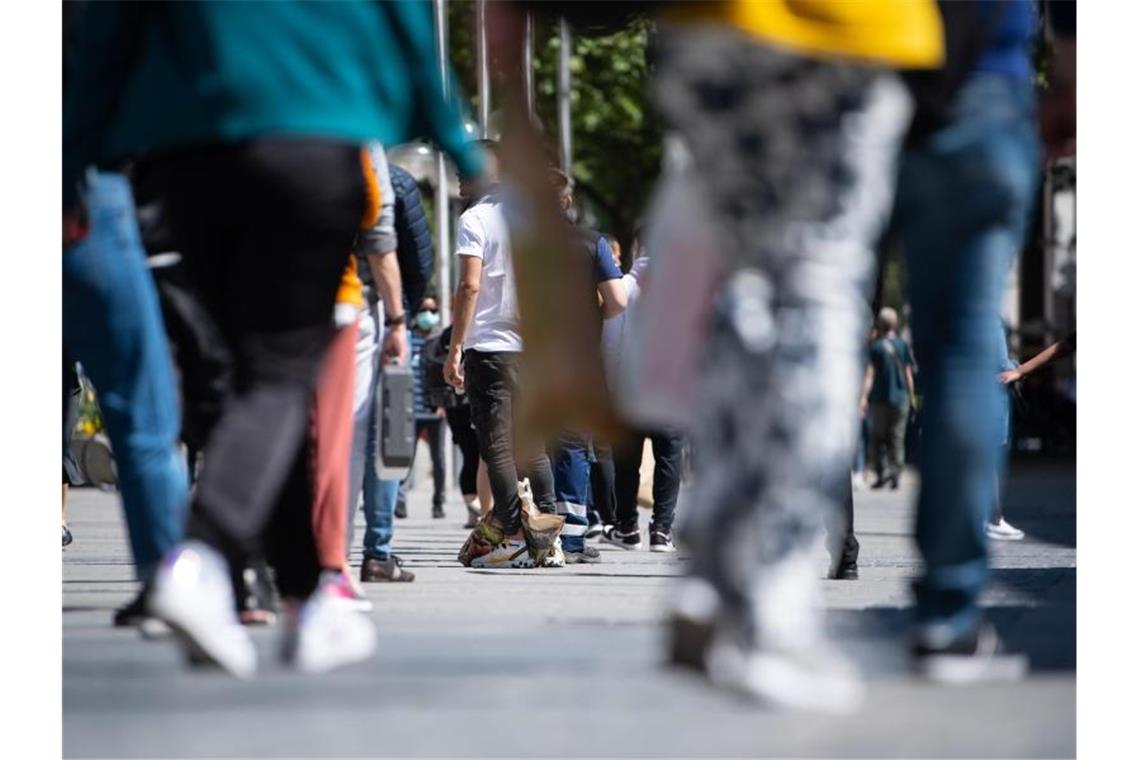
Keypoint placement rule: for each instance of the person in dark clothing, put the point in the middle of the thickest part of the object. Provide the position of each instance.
(888, 397)
(429, 418)
(266, 184)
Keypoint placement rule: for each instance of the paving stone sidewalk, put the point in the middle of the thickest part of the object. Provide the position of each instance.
(566, 662)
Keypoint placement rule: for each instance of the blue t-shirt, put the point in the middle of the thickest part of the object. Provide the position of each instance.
(889, 385)
(604, 266)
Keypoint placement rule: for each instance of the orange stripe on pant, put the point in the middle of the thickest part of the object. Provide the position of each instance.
(330, 447)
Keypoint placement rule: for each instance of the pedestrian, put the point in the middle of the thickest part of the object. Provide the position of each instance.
(483, 361)
(265, 185)
(570, 455)
(888, 397)
(967, 185)
(794, 123)
(396, 259)
(429, 418)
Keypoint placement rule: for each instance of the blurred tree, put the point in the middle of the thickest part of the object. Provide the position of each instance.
(617, 136)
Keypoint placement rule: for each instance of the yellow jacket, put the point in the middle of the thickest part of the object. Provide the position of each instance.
(894, 33)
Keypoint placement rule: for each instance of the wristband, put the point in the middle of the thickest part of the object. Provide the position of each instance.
(397, 320)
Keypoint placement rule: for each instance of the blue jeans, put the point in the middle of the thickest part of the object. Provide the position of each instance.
(379, 495)
(113, 326)
(571, 467)
(964, 198)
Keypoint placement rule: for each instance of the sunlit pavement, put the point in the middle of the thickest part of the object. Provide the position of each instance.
(567, 662)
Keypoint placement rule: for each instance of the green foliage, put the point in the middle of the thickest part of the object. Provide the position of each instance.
(616, 135)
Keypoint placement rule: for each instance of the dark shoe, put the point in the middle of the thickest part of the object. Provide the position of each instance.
(845, 573)
(973, 658)
(879, 483)
(384, 571)
(255, 595)
(626, 539)
(594, 531)
(661, 540)
(66, 536)
(132, 614)
(401, 509)
(894, 481)
(437, 511)
(588, 556)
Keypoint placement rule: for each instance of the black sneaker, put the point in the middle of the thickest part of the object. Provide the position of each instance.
(401, 509)
(594, 530)
(661, 540)
(588, 556)
(255, 595)
(845, 573)
(132, 614)
(437, 511)
(67, 539)
(975, 657)
(626, 539)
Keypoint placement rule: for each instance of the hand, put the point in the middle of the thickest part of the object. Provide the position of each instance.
(1009, 376)
(438, 411)
(395, 347)
(453, 369)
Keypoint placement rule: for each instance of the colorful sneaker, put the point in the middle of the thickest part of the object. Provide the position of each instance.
(556, 557)
(325, 633)
(512, 551)
(193, 594)
(625, 539)
(660, 540)
(339, 586)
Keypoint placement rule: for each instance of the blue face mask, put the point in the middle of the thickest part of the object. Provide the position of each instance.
(426, 320)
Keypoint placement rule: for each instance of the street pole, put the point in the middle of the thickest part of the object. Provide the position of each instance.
(483, 69)
(565, 136)
(443, 222)
(528, 65)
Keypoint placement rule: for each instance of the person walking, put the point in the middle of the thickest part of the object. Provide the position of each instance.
(967, 184)
(483, 361)
(266, 186)
(888, 397)
(429, 419)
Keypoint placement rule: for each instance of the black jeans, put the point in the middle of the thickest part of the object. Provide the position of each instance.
(264, 228)
(459, 420)
(434, 430)
(841, 542)
(603, 483)
(667, 452)
(492, 380)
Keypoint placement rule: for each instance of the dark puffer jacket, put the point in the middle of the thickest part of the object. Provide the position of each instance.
(414, 246)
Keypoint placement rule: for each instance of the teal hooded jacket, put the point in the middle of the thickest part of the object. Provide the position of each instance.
(151, 77)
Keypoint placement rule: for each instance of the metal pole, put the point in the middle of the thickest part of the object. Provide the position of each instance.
(443, 218)
(483, 69)
(528, 64)
(565, 135)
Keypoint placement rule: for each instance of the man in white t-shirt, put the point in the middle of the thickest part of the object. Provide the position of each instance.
(483, 360)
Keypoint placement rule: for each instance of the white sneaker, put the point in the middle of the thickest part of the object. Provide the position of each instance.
(1003, 531)
(557, 557)
(325, 633)
(815, 678)
(192, 594)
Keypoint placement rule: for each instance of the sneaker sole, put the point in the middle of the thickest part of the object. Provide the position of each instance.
(777, 681)
(959, 670)
(201, 645)
(662, 549)
(621, 544)
(521, 560)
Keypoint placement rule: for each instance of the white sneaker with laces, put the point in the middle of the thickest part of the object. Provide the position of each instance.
(192, 593)
(325, 633)
(1003, 531)
(511, 553)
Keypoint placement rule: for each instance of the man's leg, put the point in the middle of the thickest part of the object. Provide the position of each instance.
(112, 324)
(602, 482)
(409, 482)
(627, 481)
(964, 198)
(571, 490)
(797, 203)
(897, 442)
(438, 475)
(880, 428)
(364, 414)
(667, 452)
(490, 391)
